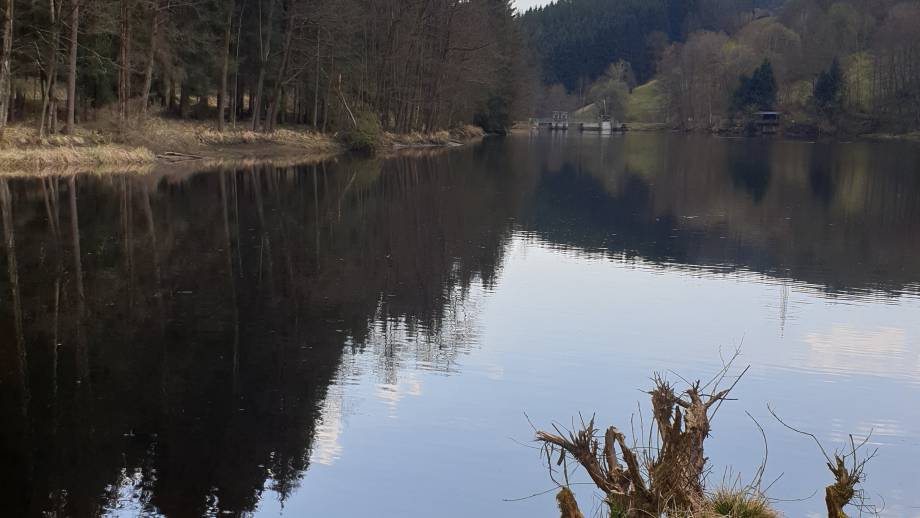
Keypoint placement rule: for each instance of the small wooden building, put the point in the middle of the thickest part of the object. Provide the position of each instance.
(767, 122)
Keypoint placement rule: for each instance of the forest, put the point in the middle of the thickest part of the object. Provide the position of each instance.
(848, 65)
(397, 66)
(365, 67)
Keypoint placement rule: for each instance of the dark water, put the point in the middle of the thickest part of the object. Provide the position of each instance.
(363, 338)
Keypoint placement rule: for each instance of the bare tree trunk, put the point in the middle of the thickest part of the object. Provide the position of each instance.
(235, 106)
(316, 87)
(282, 69)
(50, 69)
(264, 50)
(151, 56)
(222, 101)
(124, 65)
(6, 50)
(72, 67)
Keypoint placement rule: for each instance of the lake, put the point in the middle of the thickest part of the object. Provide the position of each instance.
(374, 337)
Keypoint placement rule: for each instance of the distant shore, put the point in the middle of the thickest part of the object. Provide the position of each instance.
(913, 136)
(661, 127)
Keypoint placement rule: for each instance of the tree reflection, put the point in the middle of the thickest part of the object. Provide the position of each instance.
(210, 343)
(665, 199)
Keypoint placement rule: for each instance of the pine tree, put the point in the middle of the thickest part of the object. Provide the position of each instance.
(757, 91)
(828, 91)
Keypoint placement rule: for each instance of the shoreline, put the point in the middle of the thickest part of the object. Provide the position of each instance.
(162, 145)
(171, 144)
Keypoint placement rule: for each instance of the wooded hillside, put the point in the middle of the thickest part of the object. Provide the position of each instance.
(844, 63)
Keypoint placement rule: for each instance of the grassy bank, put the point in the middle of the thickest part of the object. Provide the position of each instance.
(150, 141)
(163, 142)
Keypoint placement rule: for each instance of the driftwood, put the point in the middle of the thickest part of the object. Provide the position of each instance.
(655, 480)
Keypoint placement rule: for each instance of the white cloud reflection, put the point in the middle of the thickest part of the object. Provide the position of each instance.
(846, 349)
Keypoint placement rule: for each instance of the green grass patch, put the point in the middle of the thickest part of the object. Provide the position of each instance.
(646, 103)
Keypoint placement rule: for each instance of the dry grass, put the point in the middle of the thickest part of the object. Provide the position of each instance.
(738, 504)
(161, 135)
(456, 136)
(23, 149)
(64, 155)
(20, 136)
(99, 144)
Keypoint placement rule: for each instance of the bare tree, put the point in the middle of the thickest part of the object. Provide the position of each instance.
(124, 63)
(6, 52)
(222, 99)
(46, 123)
(282, 69)
(72, 66)
(265, 39)
(156, 11)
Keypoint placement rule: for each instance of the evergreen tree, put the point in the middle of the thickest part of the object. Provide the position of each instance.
(828, 92)
(757, 91)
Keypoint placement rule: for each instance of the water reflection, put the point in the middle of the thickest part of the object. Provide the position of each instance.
(183, 345)
(179, 336)
(666, 199)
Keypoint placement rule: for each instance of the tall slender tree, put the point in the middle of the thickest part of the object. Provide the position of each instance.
(72, 66)
(265, 40)
(222, 98)
(124, 63)
(157, 12)
(6, 52)
(49, 97)
(276, 101)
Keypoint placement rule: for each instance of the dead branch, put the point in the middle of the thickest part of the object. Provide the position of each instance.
(845, 491)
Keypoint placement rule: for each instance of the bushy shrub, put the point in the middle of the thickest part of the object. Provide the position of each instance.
(365, 136)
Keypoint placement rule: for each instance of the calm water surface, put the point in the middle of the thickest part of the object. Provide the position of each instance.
(363, 338)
